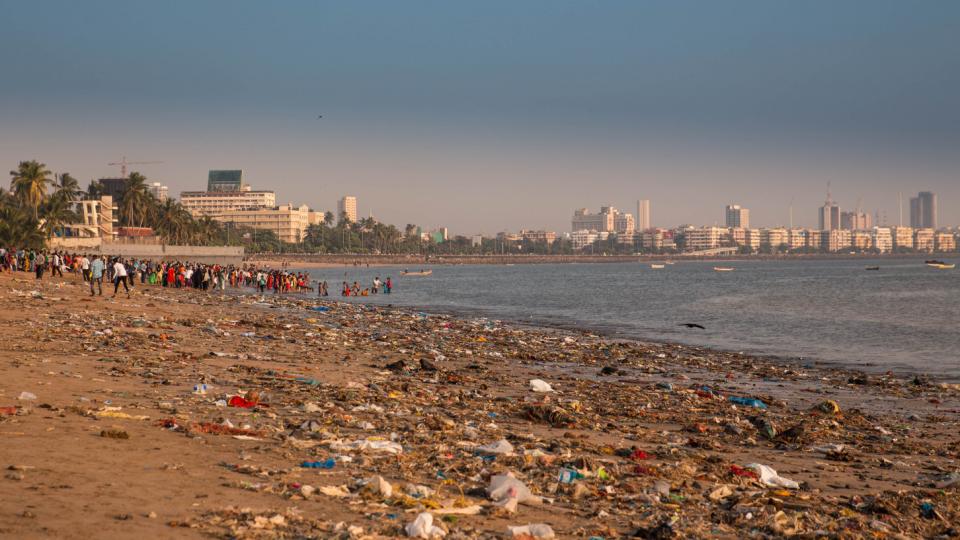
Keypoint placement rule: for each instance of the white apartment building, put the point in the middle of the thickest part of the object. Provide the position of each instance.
(837, 240)
(881, 239)
(944, 241)
(701, 238)
(212, 203)
(861, 240)
(902, 237)
(797, 239)
(773, 239)
(583, 238)
(923, 240)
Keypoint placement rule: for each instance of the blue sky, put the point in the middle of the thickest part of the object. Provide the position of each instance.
(500, 115)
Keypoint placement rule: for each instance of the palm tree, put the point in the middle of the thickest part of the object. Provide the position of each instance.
(328, 218)
(135, 201)
(68, 188)
(29, 182)
(57, 212)
(94, 189)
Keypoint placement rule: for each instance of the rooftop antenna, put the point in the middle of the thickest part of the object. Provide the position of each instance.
(829, 196)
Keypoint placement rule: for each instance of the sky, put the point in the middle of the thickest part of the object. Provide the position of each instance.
(500, 115)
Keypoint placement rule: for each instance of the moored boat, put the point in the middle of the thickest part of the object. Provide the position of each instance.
(657, 266)
(420, 273)
(722, 269)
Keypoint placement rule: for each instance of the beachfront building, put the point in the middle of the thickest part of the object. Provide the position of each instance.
(773, 239)
(547, 237)
(347, 208)
(881, 239)
(97, 219)
(751, 239)
(923, 240)
(815, 240)
(214, 203)
(944, 241)
(737, 216)
(652, 239)
(289, 223)
(643, 215)
(797, 239)
(701, 238)
(737, 235)
(583, 238)
(836, 240)
(902, 238)
(861, 240)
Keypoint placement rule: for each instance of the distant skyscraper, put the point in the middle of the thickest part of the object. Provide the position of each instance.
(347, 206)
(829, 214)
(738, 216)
(923, 211)
(643, 214)
(855, 221)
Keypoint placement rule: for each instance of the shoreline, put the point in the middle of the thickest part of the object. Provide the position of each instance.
(415, 261)
(441, 387)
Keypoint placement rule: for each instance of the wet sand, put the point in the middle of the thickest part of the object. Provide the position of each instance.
(99, 366)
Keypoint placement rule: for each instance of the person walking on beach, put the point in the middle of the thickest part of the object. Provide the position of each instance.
(388, 286)
(96, 275)
(40, 263)
(120, 276)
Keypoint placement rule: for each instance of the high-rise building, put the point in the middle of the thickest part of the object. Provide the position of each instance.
(855, 221)
(347, 207)
(923, 210)
(643, 214)
(159, 191)
(225, 180)
(114, 187)
(738, 216)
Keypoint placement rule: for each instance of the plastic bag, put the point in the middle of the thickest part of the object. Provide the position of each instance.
(423, 527)
(770, 477)
(536, 530)
(502, 446)
(538, 385)
(506, 491)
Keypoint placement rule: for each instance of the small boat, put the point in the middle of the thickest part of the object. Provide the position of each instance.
(669, 262)
(872, 268)
(420, 273)
(722, 269)
(657, 266)
(942, 266)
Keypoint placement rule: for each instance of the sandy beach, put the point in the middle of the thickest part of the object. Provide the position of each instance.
(178, 413)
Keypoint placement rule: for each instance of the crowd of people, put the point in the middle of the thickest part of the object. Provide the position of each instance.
(127, 272)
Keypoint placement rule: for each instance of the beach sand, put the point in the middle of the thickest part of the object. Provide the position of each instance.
(99, 366)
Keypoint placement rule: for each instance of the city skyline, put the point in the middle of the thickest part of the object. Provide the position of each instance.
(501, 117)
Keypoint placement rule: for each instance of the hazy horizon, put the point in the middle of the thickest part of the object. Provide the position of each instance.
(500, 116)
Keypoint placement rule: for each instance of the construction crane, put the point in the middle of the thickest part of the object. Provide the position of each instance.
(123, 165)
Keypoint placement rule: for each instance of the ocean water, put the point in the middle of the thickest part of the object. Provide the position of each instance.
(904, 317)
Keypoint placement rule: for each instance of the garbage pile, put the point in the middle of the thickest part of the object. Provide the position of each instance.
(358, 421)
